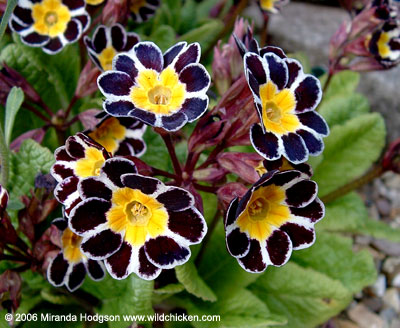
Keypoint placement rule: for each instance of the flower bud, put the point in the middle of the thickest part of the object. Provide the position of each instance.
(87, 83)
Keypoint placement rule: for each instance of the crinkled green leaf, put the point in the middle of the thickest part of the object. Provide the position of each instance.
(51, 77)
(349, 215)
(333, 255)
(306, 297)
(340, 108)
(219, 269)
(344, 214)
(131, 296)
(350, 150)
(13, 104)
(31, 159)
(170, 289)
(240, 308)
(188, 276)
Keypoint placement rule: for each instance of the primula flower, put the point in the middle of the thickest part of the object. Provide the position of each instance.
(94, 2)
(277, 215)
(384, 44)
(285, 98)
(122, 136)
(142, 10)
(107, 42)
(81, 157)
(160, 90)
(50, 24)
(70, 266)
(135, 223)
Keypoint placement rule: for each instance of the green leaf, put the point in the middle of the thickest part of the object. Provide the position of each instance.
(131, 296)
(219, 269)
(350, 150)
(204, 34)
(31, 159)
(6, 16)
(333, 255)
(379, 230)
(349, 215)
(341, 108)
(188, 276)
(163, 36)
(188, 16)
(241, 308)
(170, 289)
(306, 297)
(344, 83)
(13, 104)
(40, 71)
(344, 214)
(157, 153)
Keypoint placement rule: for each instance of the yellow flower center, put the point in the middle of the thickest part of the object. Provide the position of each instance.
(158, 93)
(267, 5)
(50, 17)
(140, 215)
(278, 109)
(264, 211)
(106, 57)
(70, 244)
(135, 5)
(137, 213)
(91, 164)
(109, 134)
(383, 45)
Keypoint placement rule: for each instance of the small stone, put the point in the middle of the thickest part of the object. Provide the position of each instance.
(341, 323)
(363, 240)
(365, 318)
(373, 303)
(387, 247)
(379, 287)
(396, 281)
(388, 314)
(391, 299)
(395, 323)
(373, 212)
(383, 206)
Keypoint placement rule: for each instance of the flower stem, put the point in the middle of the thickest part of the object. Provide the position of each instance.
(264, 31)
(375, 172)
(171, 150)
(213, 155)
(209, 189)
(228, 25)
(207, 237)
(36, 112)
(163, 173)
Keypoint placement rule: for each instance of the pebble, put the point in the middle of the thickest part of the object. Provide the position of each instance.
(379, 287)
(388, 315)
(341, 323)
(364, 318)
(395, 323)
(387, 247)
(383, 206)
(391, 299)
(375, 304)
